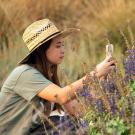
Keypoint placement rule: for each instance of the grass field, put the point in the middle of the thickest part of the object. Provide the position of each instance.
(96, 19)
(101, 22)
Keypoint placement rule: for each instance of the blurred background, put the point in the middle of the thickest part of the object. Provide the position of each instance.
(99, 20)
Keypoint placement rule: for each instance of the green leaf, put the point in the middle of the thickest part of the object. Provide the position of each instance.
(133, 85)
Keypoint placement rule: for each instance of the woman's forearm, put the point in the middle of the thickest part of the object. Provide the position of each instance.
(59, 95)
(78, 85)
(70, 90)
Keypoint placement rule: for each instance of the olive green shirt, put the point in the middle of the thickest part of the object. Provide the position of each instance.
(17, 98)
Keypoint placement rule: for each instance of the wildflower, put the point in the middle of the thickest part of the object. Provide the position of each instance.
(129, 64)
(100, 106)
(110, 87)
(129, 101)
(113, 105)
(86, 92)
(83, 123)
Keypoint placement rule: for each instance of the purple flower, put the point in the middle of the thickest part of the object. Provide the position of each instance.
(65, 124)
(112, 105)
(86, 92)
(100, 106)
(83, 123)
(129, 101)
(110, 87)
(129, 64)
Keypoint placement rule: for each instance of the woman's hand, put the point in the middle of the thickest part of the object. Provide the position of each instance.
(75, 108)
(103, 68)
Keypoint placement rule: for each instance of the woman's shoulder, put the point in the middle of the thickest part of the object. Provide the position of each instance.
(24, 69)
(15, 74)
(20, 70)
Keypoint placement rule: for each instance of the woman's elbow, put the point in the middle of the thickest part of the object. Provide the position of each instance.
(60, 98)
(53, 93)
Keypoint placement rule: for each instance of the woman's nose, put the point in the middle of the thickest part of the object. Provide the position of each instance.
(62, 49)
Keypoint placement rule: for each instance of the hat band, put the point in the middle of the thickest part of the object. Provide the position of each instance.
(45, 40)
(39, 32)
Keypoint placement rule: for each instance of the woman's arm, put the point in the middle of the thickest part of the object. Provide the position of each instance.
(74, 108)
(59, 95)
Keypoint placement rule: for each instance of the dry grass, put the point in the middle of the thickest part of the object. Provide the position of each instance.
(94, 18)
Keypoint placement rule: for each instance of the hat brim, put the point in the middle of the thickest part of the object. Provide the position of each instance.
(61, 34)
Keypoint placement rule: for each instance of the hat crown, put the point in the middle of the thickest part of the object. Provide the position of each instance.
(37, 32)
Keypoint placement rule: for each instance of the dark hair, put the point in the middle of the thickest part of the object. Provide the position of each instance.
(38, 60)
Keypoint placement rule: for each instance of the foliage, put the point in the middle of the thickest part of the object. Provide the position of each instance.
(93, 17)
(113, 109)
(110, 101)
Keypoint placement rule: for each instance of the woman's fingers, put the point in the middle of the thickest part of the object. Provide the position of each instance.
(105, 66)
(108, 58)
(112, 67)
(112, 62)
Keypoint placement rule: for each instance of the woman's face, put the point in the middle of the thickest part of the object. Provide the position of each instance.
(55, 53)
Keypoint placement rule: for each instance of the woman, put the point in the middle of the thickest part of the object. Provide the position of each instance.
(33, 85)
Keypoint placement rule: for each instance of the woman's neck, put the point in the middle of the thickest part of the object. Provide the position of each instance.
(50, 72)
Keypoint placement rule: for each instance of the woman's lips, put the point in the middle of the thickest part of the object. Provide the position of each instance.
(62, 57)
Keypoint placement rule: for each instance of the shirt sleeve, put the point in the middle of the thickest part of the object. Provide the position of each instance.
(30, 83)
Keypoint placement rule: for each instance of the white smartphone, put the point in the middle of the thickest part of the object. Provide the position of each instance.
(109, 50)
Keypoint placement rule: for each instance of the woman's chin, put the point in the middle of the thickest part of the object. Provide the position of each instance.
(58, 62)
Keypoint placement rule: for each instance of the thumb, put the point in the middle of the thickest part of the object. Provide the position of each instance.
(108, 58)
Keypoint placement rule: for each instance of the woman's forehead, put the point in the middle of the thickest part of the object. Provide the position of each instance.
(57, 39)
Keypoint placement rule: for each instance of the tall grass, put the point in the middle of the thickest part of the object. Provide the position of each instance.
(96, 19)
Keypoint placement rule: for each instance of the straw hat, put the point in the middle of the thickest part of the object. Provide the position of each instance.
(40, 32)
